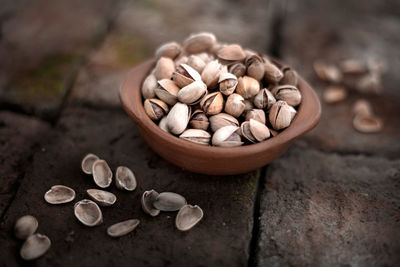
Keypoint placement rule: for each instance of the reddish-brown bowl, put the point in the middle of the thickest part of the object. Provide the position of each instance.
(209, 159)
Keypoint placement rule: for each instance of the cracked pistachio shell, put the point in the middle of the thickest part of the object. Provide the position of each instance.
(227, 137)
(264, 99)
(196, 136)
(272, 73)
(148, 86)
(199, 120)
(248, 105)
(192, 93)
(147, 201)
(235, 105)
(362, 107)
(169, 201)
(255, 67)
(227, 83)
(288, 93)
(59, 194)
(167, 91)
(327, 72)
(184, 75)
(259, 131)
(199, 42)
(196, 62)
(182, 59)
(369, 83)
(211, 73)
(233, 52)
(87, 163)
(164, 68)
(88, 212)
(206, 57)
(334, 94)
(155, 108)
(35, 246)
(353, 67)
(163, 124)
(367, 123)
(238, 69)
(25, 226)
(102, 174)
(171, 50)
(178, 118)
(122, 228)
(125, 179)
(102, 197)
(187, 217)
(221, 120)
(290, 77)
(256, 114)
(212, 103)
(247, 87)
(281, 115)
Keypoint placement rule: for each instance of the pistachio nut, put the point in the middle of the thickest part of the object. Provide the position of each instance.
(59, 194)
(255, 67)
(199, 120)
(281, 115)
(211, 73)
(254, 131)
(235, 105)
(184, 75)
(148, 87)
(87, 163)
(155, 108)
(169, 201)
(167, 91)
(231, 53)
(238, 69)
(35, 246)
(178, 118)
(247, 87)
(192, 93)
(212, 103)
(122, 228)
(353, 67)
(196, 136)
(196, 62)
(288, 93)
(221, 120)
(199, 42)
(188, 216)
(182, 59)
(362, 107)
(125, 179)
(25, 226)
(227, 137)
(326, 72)
(206, 57)
(367, 123)
(248, 105)
(369, 83)
(264, 99)
(227, 83)
(147, 201)
(102, 174)
(272, 73)
(102, 197)
(88, 212)
(256, 114)
(163, 124)
(171, 50)
(290, 77)
(334, 94)
(164, 68)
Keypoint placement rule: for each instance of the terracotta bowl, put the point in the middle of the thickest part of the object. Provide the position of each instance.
(209, 159)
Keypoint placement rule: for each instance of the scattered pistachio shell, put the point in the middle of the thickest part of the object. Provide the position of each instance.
(102, 197)
(327, 72)
(122, 228)
(88, 212)
(362, 107)
(35, 246)
(188, 216)
(25, 226)
(147, 201)
(353, 67)
(87, 163)
(59, 194)
(334, 94)
(367, 123)
(169, 201)
(102, 174)
(125, 179)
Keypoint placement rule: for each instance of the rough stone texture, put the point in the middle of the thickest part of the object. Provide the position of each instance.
(19, 137)
(221, 239)
(330, 210)
(332, 31)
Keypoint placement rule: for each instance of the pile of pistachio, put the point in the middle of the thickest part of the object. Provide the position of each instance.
(209, 92)
(89, 213)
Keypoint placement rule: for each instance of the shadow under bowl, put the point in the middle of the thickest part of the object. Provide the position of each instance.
(210, 159)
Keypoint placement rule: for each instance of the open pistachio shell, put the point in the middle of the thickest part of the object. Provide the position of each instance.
(188, 216)
(25, 226)
(247, 87)
(199, 120)
(35, 246)
(87, 163)
(169, 201)
(88, 212)
(212, 103)
(125, 179)
(122, 228)
(260, 131)
(367, 123)
(196, 136)
(256, 114)
(167, 91)
(185, 75)
(233, 52)
(155, 108)
(281, 115)
(235, 105)
(192, 93)
(288, 93)
(222, 119)
(102, 197)
(59, 194)
(102, 174)
(147, 201)
(226, 137)
(199, 42)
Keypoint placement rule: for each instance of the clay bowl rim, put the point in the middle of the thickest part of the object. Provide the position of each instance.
(307, 117)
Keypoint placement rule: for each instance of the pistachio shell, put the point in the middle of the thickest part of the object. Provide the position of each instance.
(211, 73)
(196, 136)
(125, 179)
(233, 52)
(226, 137)
(272, 73)
(171, 50)
(199, 120)
(353, 67)
(147, 201)
(196, 62)
(290, 77)
(247, 87)
(87, 163)
(155, 108)
(227, 83)
(222, 119)
(163, 124)
(288, 93)
(238, 69)
(369, 83)
(148, 87)
(235, 105)
(334, 94)
(102, 174)
(199, 42)
(248, 105)
(192, 94)
(35, 246)
(281, 115)
(88, 213)
(122, 228)
(246, 132)
(178, 118)
(185, 75)
(264, 99)
(256, 114)
(259, 131)
(255, 67)
(188, 216)
(169, 201)
(167, 91)
(327, 72)
(164, 68)
(59, 194)
(102, 197)
(182, 59)
(212, 103)
(367, 123)
(362, 107)
(25, 226)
